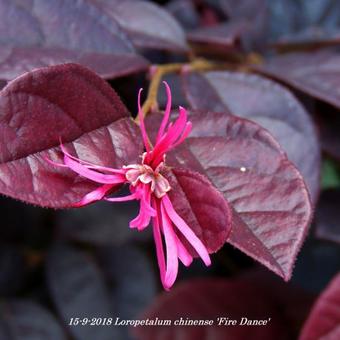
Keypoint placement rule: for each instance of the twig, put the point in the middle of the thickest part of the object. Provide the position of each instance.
(159, 71)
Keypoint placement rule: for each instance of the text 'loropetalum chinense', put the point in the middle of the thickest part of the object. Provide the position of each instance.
(150, 187)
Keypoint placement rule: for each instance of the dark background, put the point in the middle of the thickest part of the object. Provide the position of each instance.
(55, 265)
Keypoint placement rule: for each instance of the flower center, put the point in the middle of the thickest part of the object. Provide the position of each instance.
(143, 174)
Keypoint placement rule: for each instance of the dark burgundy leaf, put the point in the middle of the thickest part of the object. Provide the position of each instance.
(202, 207)
(15, 61)
(77, 25)
(328, 216)
(324, 320)
(266, 103)
(211, 299)
(100, 224)
(271, 204)
(27, 320)
(292, 301)
(68, 102)
(146, 24)
(316, 74)
(78, 290)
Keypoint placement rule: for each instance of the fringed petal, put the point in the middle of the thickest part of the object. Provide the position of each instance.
(183, 254)
(141, 124)
(170, 137)
(166, 113)
(185, 134)
(95, 195)
(185, 230)
(91, 165)
(121, 199)
(145, 211)
(159, 243)
(93, 175)
(171, 251)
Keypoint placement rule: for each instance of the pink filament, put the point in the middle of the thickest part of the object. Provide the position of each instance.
(154, 202)
(164, 222)
(142, 125)
(185, 230)
(166, 113)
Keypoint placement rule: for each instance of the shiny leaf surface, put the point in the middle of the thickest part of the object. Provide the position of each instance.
(271, 206)
(66, 102)
(316, 74)
(266, 103)
(15, 61)
(202, 207)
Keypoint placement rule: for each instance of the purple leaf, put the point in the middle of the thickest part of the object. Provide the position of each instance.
(90, 25)
(202, 207)
(310, 38)
(178, 98)
(253, 13)
(132, 281)
(131, 277)
(77, 25)
(211, 299)
(292, 300)
(15, 61)
(67, 102)
(100, 224)
(78, 290)
(27, 320)
(220, 38)
(17, 25)
(243, 8)
(266, 103)
(185, 12)
(316, 74)
(146, 24)
(324, 319)
(272, 210)
(328, 216)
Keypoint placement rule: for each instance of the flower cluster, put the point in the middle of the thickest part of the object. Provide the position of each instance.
(150, 188)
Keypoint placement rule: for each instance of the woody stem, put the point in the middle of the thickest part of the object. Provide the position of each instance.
(159, 71)
(198, 65)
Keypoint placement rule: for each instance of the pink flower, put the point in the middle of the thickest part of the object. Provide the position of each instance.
(150, 187)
